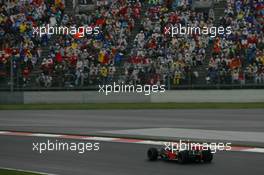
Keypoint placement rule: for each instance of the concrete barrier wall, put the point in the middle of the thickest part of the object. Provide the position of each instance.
(83, 97)
(11, 98)
(189, 96)
(179, 96)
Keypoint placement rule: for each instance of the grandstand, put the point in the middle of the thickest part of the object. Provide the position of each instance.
(131, 47)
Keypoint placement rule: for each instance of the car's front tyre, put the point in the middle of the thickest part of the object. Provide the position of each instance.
(152, 154)
(207, 156)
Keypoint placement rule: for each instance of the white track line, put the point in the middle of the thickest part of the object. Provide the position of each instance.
(46, 135)
(105, 139)
(253, 150)
(3, 132)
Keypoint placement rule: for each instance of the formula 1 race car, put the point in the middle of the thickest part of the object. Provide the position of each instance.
(196, 154)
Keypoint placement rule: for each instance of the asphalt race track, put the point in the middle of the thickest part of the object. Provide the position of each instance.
(86, 122)
(118, 159)
(123, 158)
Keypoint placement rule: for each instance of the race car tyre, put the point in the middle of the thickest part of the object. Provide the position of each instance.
(207, 156)
(153, 154)
(183, 157)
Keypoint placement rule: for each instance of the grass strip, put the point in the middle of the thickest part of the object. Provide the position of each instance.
(13, 172)
(123, 106)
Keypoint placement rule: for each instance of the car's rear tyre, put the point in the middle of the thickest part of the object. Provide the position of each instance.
(183, 157)
(152, 154)
(207, 156)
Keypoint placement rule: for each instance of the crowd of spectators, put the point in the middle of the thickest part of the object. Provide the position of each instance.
(20, 48)
(131, 46)
(157, 58)
(239, 57)
(92, 59)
